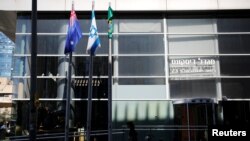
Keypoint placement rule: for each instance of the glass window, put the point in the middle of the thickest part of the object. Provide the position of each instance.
(236, 88)
(192, 66)
(199, 88)
(49, 66)
(233, 24)
(139, 92)
(82, 45)
(50, 23)
(51, 116)
(23, 44)
(21, 66)
(48, 44)
(141, 81)
(99, 87)
(181, 40)
(58, 66)
(23, 24)
(22, 86)
(142, 112)
(100, 66)
(140, 25)
(141, 66)
(61, 25)
(55, 88)
(141, 44)
(190, 25)
(235, 65)
(234, 44)
(192, 44)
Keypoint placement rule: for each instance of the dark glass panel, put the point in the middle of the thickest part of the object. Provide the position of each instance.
(141, 44)
(236, 87)
(141, 66)
(233, 24)
(234, 44)
(100, 66)
(235, 65)
(141, 81)
(193, 88)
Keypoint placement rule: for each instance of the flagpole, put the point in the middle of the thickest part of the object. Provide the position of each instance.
(110, 92)
(110, 86)
(32, 114)
(89, 112)
(68, 95)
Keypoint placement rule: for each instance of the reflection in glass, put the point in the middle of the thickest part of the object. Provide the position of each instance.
(193, 88)
(141, 81)
(54, 44)
(234, 44)
(190, 25)
(49, 88)
(236, 88)
(100, 66)
(191, 44)
(140, 25)
(141, 44)
(141, 66)
(49, 66)
(50, 119)
(233, 24)
(235, 65)
(192, 66)
(48, 23)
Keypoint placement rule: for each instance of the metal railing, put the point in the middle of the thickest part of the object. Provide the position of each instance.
(145, 132)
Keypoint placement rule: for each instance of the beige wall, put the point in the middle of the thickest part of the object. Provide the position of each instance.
(126, 5)
(6, 90)
(6, 86)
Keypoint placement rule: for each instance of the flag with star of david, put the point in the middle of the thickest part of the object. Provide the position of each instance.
(74, 33)
(94, 41)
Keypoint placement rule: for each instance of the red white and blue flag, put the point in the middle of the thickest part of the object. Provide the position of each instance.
(74, 33)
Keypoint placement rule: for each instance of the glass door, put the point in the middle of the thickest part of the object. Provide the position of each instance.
(192, 118)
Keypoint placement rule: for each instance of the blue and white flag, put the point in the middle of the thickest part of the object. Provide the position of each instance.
(74, 33)
(94, 40)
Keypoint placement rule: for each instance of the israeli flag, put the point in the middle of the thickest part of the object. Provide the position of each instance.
(94, 40)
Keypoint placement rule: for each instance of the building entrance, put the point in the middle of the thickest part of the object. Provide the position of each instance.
(192, 117)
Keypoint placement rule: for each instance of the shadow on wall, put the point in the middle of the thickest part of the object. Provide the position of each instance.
(8, 23)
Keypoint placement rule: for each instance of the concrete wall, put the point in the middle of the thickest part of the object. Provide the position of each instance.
(126, 5)
(6, 86)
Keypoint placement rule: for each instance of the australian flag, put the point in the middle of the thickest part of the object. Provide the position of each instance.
(74, 33)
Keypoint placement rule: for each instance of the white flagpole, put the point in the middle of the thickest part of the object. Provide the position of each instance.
(89, 112)
(110, 87)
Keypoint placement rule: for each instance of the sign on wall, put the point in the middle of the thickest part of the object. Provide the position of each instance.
(199, 66)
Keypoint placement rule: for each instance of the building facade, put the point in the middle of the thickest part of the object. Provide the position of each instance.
(178, 66)
(6, 86)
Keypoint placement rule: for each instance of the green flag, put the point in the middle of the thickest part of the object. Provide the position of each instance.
(110, 17)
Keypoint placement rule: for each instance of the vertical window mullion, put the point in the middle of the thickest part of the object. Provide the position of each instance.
(166, 57)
